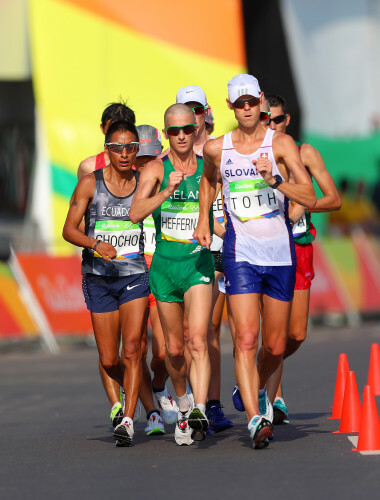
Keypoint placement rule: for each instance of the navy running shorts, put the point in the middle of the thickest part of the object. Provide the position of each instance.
(274, 281)
(107, 293)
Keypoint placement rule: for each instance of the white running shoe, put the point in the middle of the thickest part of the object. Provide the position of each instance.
(123, 433)
(265, 406)
(182, 433)
(260, 429)
(155, 425)
(167, 405)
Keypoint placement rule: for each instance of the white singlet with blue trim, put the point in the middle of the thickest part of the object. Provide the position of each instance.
(258, 229)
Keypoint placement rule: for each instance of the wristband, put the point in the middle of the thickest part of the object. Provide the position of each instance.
(96, 245)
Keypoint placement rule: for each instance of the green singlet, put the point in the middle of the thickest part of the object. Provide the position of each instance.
(309, 235)
(179, 262)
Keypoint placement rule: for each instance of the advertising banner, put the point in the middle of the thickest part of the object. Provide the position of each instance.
(56, 284)
(15, 319)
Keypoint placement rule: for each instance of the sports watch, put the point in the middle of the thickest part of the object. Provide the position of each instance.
(279, 179)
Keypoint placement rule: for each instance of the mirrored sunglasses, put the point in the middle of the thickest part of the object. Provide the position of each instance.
(117, 147)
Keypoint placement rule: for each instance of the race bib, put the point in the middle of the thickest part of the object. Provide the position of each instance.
(252, 199)
(149, 236)
(300, 227)
(217, 209)
(123, 235)
(179, 220)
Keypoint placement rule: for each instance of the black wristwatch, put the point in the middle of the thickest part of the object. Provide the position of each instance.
(279, 179)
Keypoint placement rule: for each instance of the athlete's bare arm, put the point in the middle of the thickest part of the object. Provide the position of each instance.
(290, 164)
(296, 211)
(212, 153)
(148, 196)
(80, 201)
(313, 160)
(86, 167)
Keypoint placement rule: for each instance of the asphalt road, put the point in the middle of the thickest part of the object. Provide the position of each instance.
(56, 439)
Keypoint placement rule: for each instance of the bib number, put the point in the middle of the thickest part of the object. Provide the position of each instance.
(123, 235)
(149, 236)
(253, 199)
(179, 220)
(300, 227)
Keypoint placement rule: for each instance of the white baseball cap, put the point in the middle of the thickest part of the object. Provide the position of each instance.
(191, 93)
(243, 85)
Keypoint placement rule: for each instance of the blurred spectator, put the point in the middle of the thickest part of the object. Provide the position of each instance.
(209, 123)
(340, 219)
(356, 211)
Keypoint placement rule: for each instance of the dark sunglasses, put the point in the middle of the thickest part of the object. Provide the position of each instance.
(240, 103)
(277, 119)
(187, 129)
(198, 110)
(117, 147)
(264, 115)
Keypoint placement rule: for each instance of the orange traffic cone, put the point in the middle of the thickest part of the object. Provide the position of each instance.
(351, 409)
(374, 369)
(369, 431)
(340, 383)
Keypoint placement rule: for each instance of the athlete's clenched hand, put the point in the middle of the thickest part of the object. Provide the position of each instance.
(264, 167)
(175, 179)
(202, 234)
(106, 250)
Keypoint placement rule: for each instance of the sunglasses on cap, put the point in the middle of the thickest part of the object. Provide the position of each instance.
(277, 119)
(117, 147)
(240, 103)
(187, 129)
(198, 110)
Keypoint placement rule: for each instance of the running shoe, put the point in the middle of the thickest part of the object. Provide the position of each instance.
(155, 425)
(265, 406)
(218, 422)
(116, 414)
(123, 433)
(183, 431)
(199, 423)
(167, 405)
(260, 429)
(280, 412)
(236, 399)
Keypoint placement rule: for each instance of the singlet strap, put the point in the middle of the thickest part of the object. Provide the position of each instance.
(99, 175)
(227, 141)
(268, 139)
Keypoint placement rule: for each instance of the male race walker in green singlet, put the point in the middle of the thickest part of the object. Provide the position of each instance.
(182, 272)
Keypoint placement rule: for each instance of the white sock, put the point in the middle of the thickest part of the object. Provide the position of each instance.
(261, 391)
(201, 407)
(184, 402)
